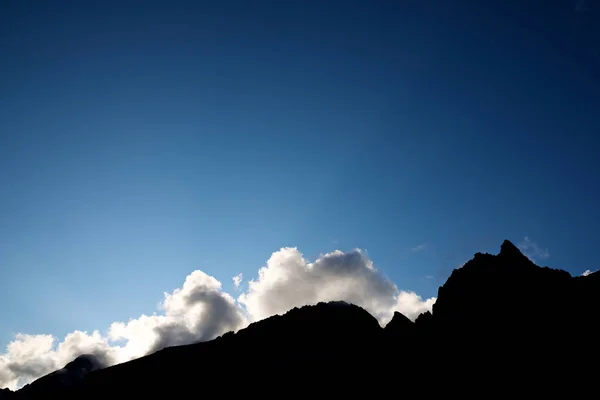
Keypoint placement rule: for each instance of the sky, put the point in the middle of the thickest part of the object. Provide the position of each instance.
(171, 170)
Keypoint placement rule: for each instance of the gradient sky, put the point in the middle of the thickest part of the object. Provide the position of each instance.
(140, 140)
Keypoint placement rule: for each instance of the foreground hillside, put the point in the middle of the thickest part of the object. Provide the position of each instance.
(501, 325)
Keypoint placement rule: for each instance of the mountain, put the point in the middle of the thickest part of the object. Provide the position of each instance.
(501, 326)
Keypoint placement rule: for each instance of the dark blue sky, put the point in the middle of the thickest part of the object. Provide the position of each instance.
(140, 140)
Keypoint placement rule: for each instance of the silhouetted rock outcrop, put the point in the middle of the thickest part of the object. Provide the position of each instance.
(399, 327)
(501, 326)
(506, 288)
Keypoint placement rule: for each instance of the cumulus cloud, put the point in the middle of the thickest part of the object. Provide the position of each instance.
(412, 305)
(288, 280)
(237, 280)
(532, 250)
(200, 310)
(197, 311)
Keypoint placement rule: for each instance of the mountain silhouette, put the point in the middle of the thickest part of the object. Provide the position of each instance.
(501, 326)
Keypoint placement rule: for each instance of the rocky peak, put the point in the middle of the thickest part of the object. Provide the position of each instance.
(400, 327)
(490, 289)
(399, 321)
(508, 249)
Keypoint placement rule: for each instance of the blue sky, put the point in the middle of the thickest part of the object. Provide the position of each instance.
(143, 140)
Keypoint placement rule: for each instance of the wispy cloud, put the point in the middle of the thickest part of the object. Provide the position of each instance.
(237, 280)
(420, 247)
(532, 250)
(429, 277)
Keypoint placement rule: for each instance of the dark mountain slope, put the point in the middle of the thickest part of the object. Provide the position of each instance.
(501, 326)
(303, 341)
(306, 343)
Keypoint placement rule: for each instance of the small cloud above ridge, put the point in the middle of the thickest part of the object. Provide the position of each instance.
(532, 250)
(418, 248)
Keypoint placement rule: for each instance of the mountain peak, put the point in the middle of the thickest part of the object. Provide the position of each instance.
(509, 250)
(399, 324)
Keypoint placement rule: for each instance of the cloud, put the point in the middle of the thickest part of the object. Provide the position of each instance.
(412, 305)
(587, 272)
(289, 280)
(532, 251)
(419, 247)
(237, 280)
(200, 310)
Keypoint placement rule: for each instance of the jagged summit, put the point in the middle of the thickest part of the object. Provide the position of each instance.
(399, 320)
(509, 249)
(399, 326)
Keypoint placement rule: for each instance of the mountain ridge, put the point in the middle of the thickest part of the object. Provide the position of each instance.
(494, 310)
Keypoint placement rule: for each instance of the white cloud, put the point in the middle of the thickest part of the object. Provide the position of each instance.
(200, 310)
(532, 251)
(419, 247)
(412, 305)
(237, 280)
(587, 272)
(288, 280)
